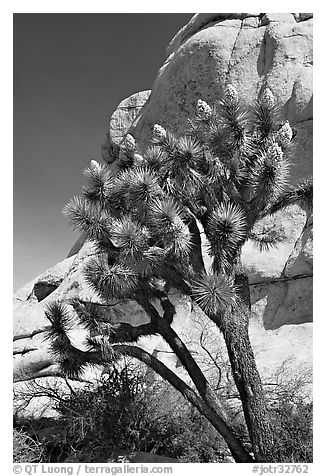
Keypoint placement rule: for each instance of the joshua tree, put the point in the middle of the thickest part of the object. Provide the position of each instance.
(147, 217)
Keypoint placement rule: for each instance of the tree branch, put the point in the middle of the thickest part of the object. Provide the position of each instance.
(202, 345)
(125, 332)
(167, 306)
(184, 355)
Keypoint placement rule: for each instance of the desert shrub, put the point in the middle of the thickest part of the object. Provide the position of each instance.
(46, 435)
(292, 423)
(25, 448)
(125, 412)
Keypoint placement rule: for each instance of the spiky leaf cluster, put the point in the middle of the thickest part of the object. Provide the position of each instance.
(214, 293)
(134, 189)
(99, 183)
(71, 360)
(270, 177)
(155, 157)
(60, 319)
(266, 237)
(265, 116)
(178, 163)
(226, 231)
(129, 236)
(86, 216)
(89, 317)
(300, 195)
(169, 229)
(115, 281)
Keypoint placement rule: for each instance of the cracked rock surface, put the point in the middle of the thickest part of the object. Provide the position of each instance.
(121, 120)
(251, 51)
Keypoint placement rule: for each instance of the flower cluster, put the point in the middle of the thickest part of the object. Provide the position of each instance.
(204, 111)
(138, 160)
(129, 143)
(95, 166)
(268, 99)
(274, 153)
(284, 135)
(159, 132)
(230, 95)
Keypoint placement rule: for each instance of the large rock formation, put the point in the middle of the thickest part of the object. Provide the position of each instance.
(121, 120)
(252, 51)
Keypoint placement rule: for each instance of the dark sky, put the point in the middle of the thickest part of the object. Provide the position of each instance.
(70, 73)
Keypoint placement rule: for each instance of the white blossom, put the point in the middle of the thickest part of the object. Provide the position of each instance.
(274, 153)
(231, 95)
(95, 166)
(284, 135)
(159, 132)
(268, 99)
(138, 159)
(129, 142)
(204, 111)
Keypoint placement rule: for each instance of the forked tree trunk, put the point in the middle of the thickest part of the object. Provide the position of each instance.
(163, 328)
(194, 371)
(239, 453)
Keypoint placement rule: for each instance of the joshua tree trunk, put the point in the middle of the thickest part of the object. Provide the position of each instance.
(234, 327)
(247, 380)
